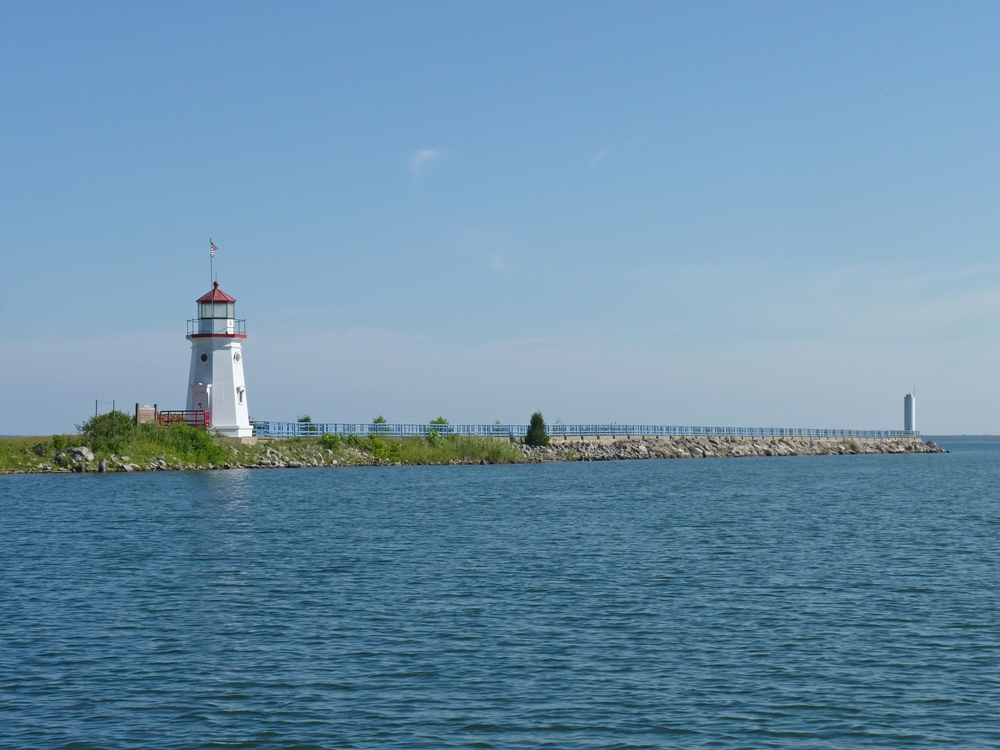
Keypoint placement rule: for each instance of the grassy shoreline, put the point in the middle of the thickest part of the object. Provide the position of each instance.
(178, 447)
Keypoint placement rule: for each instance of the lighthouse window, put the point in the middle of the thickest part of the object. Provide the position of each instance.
(204, 358)
(216, 310)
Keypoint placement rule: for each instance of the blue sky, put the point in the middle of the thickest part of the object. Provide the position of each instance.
(763, 214)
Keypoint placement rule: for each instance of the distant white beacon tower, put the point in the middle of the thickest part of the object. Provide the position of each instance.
(216, 383)
(910, 411)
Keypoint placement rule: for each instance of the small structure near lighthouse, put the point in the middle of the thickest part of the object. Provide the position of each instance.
(215, 385)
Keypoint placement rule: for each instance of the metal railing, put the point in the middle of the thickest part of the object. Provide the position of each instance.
(315, 429)
(217, 326)
(191, 417)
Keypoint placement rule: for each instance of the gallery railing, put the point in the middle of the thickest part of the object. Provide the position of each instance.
(217, 327)
(315, 429)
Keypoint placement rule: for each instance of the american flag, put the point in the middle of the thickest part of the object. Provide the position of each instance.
(214, 248)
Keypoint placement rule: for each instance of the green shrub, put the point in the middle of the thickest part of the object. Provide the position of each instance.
(59, 442)
(307, 426)
(434, 434)
(109, 433)
(436, 437)
(375, 446)
(464, 449)
(331, 441)
(536, 431)
(190, 444)
(115, 432)
(12, 455)
(381, 449)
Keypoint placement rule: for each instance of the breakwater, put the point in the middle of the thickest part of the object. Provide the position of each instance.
(377, 451)
(693, 446)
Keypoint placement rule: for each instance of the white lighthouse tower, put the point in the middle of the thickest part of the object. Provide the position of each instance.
(216, 383)
(910, 411)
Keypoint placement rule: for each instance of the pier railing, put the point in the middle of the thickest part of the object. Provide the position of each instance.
(363, 429)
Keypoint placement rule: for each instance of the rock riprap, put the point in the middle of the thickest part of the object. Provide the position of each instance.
(631, 448)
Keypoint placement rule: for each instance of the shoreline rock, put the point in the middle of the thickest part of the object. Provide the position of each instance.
(635, 448)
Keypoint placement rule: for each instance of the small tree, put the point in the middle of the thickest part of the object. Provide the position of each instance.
(435, 432)
(308, 427)
(536, 431)
(378, 422)
(331, 441)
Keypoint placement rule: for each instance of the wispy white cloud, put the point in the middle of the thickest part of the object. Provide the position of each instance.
(604, 152)
(490, 245)
(422, 158)
(598, 156)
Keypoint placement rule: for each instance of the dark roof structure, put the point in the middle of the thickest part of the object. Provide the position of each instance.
(216, 295)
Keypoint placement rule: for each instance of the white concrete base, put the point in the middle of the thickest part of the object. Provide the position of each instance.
(233, 431)
(238, 440)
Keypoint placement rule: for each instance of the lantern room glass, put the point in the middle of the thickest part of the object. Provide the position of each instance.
(224, 310)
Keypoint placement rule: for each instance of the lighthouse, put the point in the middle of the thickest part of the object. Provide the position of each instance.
(215, 383)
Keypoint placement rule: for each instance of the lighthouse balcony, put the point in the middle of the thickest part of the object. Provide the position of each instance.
(235, 327)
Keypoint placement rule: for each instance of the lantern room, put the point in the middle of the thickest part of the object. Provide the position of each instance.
(216, 315)
(216, 304)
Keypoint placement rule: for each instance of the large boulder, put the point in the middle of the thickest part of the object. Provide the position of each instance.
(82, 452)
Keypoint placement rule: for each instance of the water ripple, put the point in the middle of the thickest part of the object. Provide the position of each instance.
(800, 603)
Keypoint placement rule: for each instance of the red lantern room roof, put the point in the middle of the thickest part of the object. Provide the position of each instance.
(216, 295)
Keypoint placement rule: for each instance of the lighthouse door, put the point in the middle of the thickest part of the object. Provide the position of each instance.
(201, 397)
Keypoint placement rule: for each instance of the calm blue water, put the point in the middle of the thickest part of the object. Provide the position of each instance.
(829, 602)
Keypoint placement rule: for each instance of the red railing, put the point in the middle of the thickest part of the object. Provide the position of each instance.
(190, 417)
